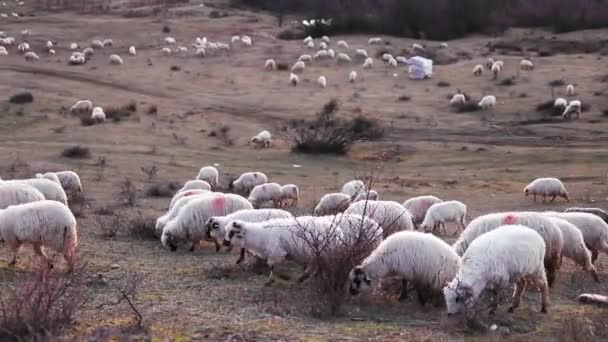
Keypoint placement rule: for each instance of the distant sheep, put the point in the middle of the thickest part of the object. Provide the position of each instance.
(574, 246)
(331, 204)
(478, 70)
(108, 42)
(526, 64)
(298, 67)
(165, 51)
(322, 81)
(325, 39)
(352, 76)
(458, 99)
(416, 46)
(560, 102)
(353, 188)
(290, 195)
(247, 181)
(97, 44)
(375, 41)
(392, 63)
(323, 46)
(546, 187)
(70, 181)
(401, 59)
(268, 192)
(31, 56)
(441, 213)
(390, 215)
(81, 107)
(573, 108)
(369, 63)
(116, 60)
(210, 175)
(195, 185)
(304, 58)
(294, 79)
(360, 53)
(418, 206)
(331, 53)
(487, 102)
(342, 44)
(321, 54)
(570, 90)
(387, 57)
(98, 115)
(262, 139)
(14, 194)
(270, 65)
(496, 68)
(170, 40)
(74, 46)
(88, 52)
(343, 58)
(132, 50)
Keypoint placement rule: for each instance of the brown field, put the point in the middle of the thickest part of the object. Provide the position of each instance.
(483, 158)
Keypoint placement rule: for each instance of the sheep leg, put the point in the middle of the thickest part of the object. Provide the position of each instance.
(593, 272)
(594, 254)
(494, 305)
(16, 249)
(534, 198)
(553, 199)
(520, 287)
(404, 291)
(307, 272)
(40, 252)
(242, 257)
(270, 280)
(550, 269)
(217, 246)
(421, 292)
(541, 284)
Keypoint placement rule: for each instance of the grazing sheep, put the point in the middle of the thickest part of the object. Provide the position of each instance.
(196, 184)
(23, 47)
(246, 41)
(511, 254)
(574, 107)
(401, 59)
(496, 68)
(526, 64)
(132, 50)
(247, 181)
(52, 52)
(546, 187)
(115, 59)
(200, 52)
(70, 181)
(293, 79)
(417, 47)
(352, 76)
(170, 40)
(457, 100)
(51, 190)
(14, 194)
(392, 63)
(360, 53)
(322, 81)
(387, 57)
(262, 139)
(290, 193)
(574, 246)
(353, 188)
(371, 195)
(189, 225)
(235, 39)
(41, 224)
(443, 45)
(325, 39)
(595, 211)
(74, 46)
(82, 107)
(298, 67)
(98, 115)
(331, 204)
(537, 221)
(165, 51)
(210, 175)
(108, 42)
(175, 209)
(478, 70)
(390, 215)
(342, 44)
(369, 63)
(3, 51)
(560, 102)
(186, 193)
(270, 64)
(487, 102)
(97, 44)
(88, 52)
(594, 229)
(321, 54)
(31, 56)
(570, 90)
(439, 214)
(304, 58)
(267, 192)
(418, 206)
(307, 40)
(310, 45)
(375, 41)
(331, 53)
(422, 259)
(323, 46)
(50, 176)
(343, 58)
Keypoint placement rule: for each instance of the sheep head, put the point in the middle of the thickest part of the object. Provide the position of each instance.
(359, 281)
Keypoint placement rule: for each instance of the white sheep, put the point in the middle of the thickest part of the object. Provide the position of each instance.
(548, 186)
(371, 195)
(182, 50)
(496, 68)
(247, 181)
(235, 39)
(439, 214)
(526, 64)
(210, 175)
(305, 58)
(170, 40)
(560, 102)
(321, 54)
(323, 46)
(50, 176)
(290, 195)
(595, 211)
(392, 63)
(14, 194)
(246, 41)
(70, 181)
(353, 188)
(574, 107)
(132, 50)
(487, 102)
(570, 90)
(270, 64)
(267, 192)
(511, 254)
(310, 45)
(97, 44)
(3, 51)
(343, 58)
(422, 259)
(458, 99)
(368, 63)
(594, 229)
(478, 70)
(331, 204)
(417, 46)
(41, 224)
(200, 52)
(322, 81)
(49, 44)
(387, 57)
(537, 221)
(165, 51)
(294, 79)
(390, 215)
(443, 45)
(189, 225)
(196, 184)
(52, 52)
(51, 190)
(331, 53)
(574, 246)
(175, 209)
(108, 42)
(23, 47)
(98, 115)
(307, 40)
(325, 39)
(360, 53)
(74, 46)
(262, 139)
(375, 41)
(401, 59)
(31, 56)
(352, 76)
(115, 59)
(342, 44)
(178, 196)
(298, 67)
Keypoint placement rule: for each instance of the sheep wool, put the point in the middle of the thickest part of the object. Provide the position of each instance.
(70, 181)
(270, 65)
(195, 185)
(247, 181)
(574, 246)
(353, 188)
(352, 77)
(390, 215)
(593, 228)
(487, 102)
(418, 206)
(458, 99)
(290, 195)
(439, 214)
(331, 204)
(478, 70)
(322, 81)
(15, 194)
(210, 175)
(116, 59)
(98, 115)
(52, 191)
(546, 187)
(262, 139)
(175, 209)
(186, 193)
(595, 211)
(267, 192)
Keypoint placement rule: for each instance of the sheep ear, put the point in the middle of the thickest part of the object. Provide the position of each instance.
(237, 225)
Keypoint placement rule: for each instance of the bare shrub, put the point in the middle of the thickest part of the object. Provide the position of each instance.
(42, 306)
(557, 83)
(175, 68)
(223, 135)
(166, 29)
(468, 106)
(404, 98)
(130, 223)
(152, 110)
(127, 193)
(116, 114)
(78, 203)
(443, 84)
(507, 82)
(86, 120)
(126, 287)
(150, 171)
(21, 98)
(282, 66)
(76, 152)
(162, 189)
(100, 168)
(18, 168)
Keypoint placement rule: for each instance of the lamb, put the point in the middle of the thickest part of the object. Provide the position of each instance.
(422, 259)
(375, 41)
(546, 187)
(342, 44)
(290, 195)
(390, 215)
(439, 214)
(322, 81)
(353, 188)
(369, 63)
(265, 193)
(98, 115)
(304, 58)
(115, 59)
(186, 193)
(595, 211)
(175, 209)
(352, 76)
(570, 90)
(526, 64)
(42, 224)
(458, 99)
(165, 51)
(331, 204)
(371, 195)
(108, 42)
(298, 67)
(31, 56)
(343, 58)
(15, 194)
(574, 246)
(478, 70)
(195, 185)
(270, 65)
(487, 102)
(97, 44)
(536, 221)
(189, 225)
(170, 40)
(262, 139)
(511, 254)
(132, 50)
(496, 68)
(360, 53)
(560, 102)
(594, 229)
(210, 175)
(51, 190)
(247, 181)
(293, 79)
(574, 107)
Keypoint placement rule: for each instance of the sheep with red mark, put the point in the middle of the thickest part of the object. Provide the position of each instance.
(186, 193)
(195, 185)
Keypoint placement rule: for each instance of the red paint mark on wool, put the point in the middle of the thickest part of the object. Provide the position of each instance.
(188, 193)
(509, 219)
(218, 204)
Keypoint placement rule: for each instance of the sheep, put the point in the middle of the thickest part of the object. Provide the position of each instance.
(31, 56)
(52, 52)
(165, 51)
(594, 229)
(246, 41)
(368, 64)
(392, 63)
(418, 206)
(322, 81)
(560, 102)
(132, 50)
(74, 46)
(290, 193)
(360, 53)
(26, 33)
(343, 58)
(342, 44)
(265, 193)
(186, 193)
(331, 204)
(298, 67)
(478, 70)
(170, 40)
(323, 46)
(3, 51)
(511, 254)
(526, 64)
(496, 70)
(247, 181)
(293, 79)
(352, 76)
(574, 246)
(50, 176)
(88, 52)
(200, 52)
(423, 259)
(82, 107)
(331, 53)
(500, 63)
(548, 186)
(307, 40)
(574, 107)
(262, 139)
(387, 57)
(443, 45)
(23, 47)
(41, 224)
(183, 50)
(375, 41)
(391, 215)
(310, 45)
(325, 39)
(401, 59)
(108, 42)
(537, 221)
(235, 39)
(174, 210)
(115, 59)
(353, 188)
(595, 211)
(270, 65)
(49, 44)
(371, 195)
(439, 214)
(487, 102)
(304, 58)
(216, 225)
(51, 190)
(70, 181)
(15, 194)
(189, 225)
(196, 184)
(458, 99)
(416, 46)
(98, 115)
(570, 90)
(97, 44)
(321, 54)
